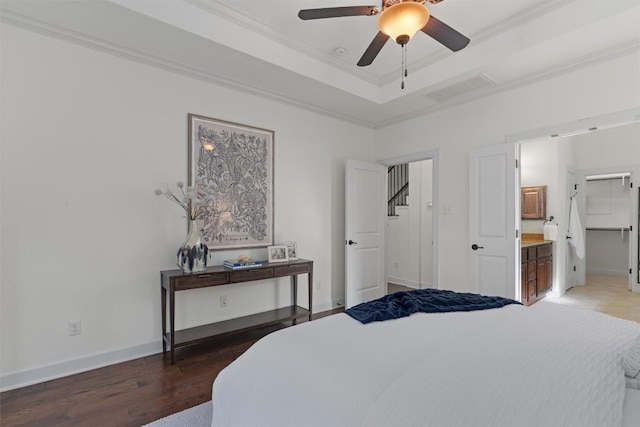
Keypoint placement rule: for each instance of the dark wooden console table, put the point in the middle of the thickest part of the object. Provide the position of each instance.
(173, 281)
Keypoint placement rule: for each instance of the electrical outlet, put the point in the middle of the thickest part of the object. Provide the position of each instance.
(224, 301)
(74, 327)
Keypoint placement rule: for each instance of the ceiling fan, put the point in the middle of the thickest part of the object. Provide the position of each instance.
(400, 20)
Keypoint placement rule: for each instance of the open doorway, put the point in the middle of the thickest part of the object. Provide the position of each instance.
(570, 166)
(412, 227)
(409, 230)
(608, 223)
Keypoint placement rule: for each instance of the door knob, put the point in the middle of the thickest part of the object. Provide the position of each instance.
(476, 247)
(351, 242)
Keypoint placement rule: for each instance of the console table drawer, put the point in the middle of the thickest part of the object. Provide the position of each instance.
(200, 281)
(288, 270)
(248, 275)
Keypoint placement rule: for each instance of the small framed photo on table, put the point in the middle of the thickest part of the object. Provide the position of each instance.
(277, 253)
(292, 249)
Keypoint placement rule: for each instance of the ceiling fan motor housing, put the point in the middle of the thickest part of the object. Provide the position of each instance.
(403, 39)
(389, 3)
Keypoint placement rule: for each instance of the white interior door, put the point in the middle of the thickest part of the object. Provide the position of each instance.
(572, 260)
(494, 247)
(365, 210)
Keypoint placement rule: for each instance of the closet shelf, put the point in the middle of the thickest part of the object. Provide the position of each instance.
(608, 228)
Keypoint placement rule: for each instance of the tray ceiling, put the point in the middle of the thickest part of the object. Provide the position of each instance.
(263, 47)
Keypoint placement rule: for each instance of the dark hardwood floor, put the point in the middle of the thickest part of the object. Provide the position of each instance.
(131, 393)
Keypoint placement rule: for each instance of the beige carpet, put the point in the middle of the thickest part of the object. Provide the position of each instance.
(605, 294)
(198, 416)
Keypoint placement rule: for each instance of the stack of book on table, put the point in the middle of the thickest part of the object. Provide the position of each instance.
(242, 263)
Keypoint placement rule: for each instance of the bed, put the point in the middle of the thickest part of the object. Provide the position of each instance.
(543, 365)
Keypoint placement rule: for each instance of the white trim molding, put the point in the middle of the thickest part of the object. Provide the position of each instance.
(75, 366)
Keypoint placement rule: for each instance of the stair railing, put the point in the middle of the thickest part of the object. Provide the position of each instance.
(397, 187)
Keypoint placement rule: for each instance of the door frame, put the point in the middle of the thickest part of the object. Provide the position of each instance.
(576, 127)
(432, 155)
(562, 231)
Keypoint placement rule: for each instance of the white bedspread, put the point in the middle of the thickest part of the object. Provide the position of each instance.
(544, 365)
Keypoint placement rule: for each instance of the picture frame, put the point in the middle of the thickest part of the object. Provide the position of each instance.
(277, 253)
(231, 165)
(292, 249)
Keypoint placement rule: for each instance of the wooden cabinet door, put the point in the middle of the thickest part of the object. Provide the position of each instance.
(532, 289)
(549, 269)
(544, 269)
(524, 295)
(533, 202)
(541, 275)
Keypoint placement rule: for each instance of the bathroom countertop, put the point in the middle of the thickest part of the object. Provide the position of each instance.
(533, 239)
(528, 243)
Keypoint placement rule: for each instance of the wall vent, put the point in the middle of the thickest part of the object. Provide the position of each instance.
(460, 88)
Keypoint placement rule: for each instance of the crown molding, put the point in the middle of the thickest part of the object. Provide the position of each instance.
(227, 11)
(604, 55)
(81, 39)
(484, 35)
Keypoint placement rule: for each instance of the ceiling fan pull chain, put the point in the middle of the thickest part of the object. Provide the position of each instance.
(406, 60)
(404, 65)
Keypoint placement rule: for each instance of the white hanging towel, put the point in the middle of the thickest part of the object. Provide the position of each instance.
(575, 230)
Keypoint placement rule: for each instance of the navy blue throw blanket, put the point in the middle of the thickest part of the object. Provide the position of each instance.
(402, 304)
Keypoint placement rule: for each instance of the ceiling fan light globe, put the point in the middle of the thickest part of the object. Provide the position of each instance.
(402, 20)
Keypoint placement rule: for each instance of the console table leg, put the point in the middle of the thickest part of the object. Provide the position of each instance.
(172, 323)
(294, 295)
(310, 276)
(164, 320)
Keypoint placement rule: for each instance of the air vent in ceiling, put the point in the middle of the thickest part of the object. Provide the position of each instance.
(460, 88)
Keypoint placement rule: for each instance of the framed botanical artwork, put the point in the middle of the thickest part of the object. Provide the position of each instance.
(292, 250)
(278, 253)
(231, 165)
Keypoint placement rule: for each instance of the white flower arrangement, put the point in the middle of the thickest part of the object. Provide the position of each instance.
(190, 201)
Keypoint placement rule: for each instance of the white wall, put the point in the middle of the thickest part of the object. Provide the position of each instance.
(595, 90)
(607, 252)
(86, 138)
(608, 148)
(539, 166)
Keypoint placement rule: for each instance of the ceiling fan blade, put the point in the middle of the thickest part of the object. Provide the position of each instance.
(336, 12)
(374, 48)
(444, 34)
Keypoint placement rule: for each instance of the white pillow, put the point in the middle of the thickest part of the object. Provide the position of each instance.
(631, 365)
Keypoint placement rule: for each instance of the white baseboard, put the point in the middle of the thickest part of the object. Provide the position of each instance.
(409, 283)
(337, 303)
(75, 366)
(404, 282)
(607, 272)
(328, 306)
(82, 364)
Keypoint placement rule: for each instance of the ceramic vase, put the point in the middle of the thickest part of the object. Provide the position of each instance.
(193, 254)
